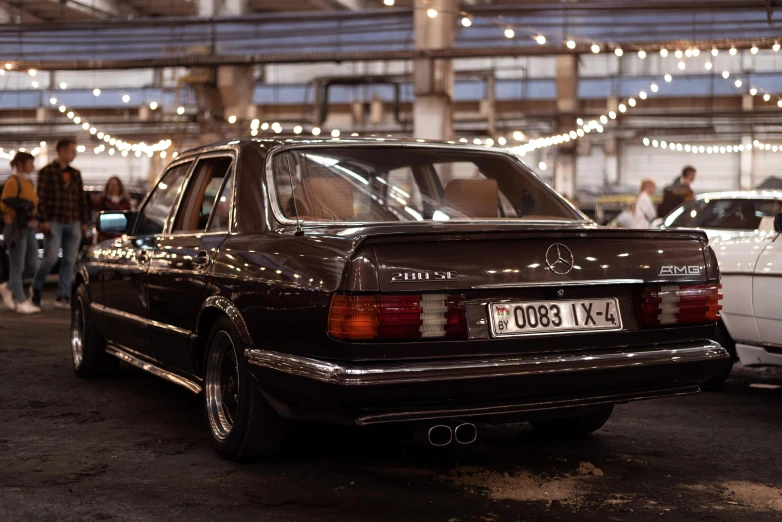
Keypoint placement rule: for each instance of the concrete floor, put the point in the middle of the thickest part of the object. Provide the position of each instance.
(135, 448)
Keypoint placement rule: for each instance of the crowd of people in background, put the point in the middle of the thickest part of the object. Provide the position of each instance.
(641, 212)
(57, 206)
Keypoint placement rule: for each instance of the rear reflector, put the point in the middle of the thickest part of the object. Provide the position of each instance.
(678, 304)
(405, 316)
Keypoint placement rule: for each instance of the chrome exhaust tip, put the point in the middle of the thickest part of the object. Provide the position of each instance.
(465, 433)
(439, 435)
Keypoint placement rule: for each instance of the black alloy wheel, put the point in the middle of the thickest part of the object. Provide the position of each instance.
(242, 424)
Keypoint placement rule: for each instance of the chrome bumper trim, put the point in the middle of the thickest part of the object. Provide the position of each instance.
(354, 374)
(124, 354)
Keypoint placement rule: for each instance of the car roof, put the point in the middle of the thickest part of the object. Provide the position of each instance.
(742, 194)
(280, 141)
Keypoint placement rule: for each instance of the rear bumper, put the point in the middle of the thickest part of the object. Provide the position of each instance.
(303, 387)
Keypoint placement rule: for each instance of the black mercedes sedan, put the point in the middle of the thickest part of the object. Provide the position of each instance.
(377, 281)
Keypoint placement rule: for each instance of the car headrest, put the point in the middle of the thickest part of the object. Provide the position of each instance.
(471, 198)
(329, 199)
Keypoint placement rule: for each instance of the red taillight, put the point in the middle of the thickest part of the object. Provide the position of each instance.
(405, 316)
(678, 304)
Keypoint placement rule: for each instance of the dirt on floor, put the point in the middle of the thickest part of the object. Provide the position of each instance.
(133, 447)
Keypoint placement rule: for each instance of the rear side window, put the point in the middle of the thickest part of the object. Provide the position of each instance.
(203, 192)
(730, 214)
(153, 217)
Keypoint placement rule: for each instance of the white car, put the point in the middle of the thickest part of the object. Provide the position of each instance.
(751, 268)
(727, 214)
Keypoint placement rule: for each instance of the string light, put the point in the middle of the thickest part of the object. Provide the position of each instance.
(775, 46)
(96, 92)
(232, 119)
(431, 12)
(316, 131)
(708, 66)
(714, 51)
(754, 49)
(641, 54)
(35, 84)
(509, 33)
(466, 22)
(642, 95)
(618, 51)
(737, 83)
(753, 91)
(732, 51)
(180, 110)
(668, 78)
(654, 87)
(571, 44)
(696, 52)
(681, 66)
(388, 2)
(540, 39)
(297, 129)
(631, 102)
(663, 52)
(63, 85)
(126, 98)
(595, 48)
(335, 133)
(678, 53)
(264, 126)
(153, 105)
(32, 72)
(725, 74)
(766, 97)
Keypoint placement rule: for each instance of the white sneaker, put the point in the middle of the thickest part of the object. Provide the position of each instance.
(27, 308)
(8, 296)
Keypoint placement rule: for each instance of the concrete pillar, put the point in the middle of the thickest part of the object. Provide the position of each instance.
(746, 180)
(208, 8)
(567, 102)
(433, 79)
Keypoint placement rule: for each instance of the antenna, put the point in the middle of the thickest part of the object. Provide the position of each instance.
(299, 231)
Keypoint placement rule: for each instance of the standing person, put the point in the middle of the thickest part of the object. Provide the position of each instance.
(644, 212)
(677, 192)
(62, 211)
(113, 198)
(18, 204)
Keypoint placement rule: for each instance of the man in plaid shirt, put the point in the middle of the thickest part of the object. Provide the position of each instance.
(63, 216)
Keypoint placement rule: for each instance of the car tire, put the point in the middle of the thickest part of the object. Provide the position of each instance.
(87, 344)
(575, 427)
(716, 382)
(242, 424)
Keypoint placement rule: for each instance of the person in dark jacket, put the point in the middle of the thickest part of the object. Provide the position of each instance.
(63, 214)
(677, 192)
(18, 204)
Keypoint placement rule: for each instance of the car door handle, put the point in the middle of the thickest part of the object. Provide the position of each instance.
(201, 259)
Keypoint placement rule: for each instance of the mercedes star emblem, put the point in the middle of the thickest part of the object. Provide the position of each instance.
(559, 259)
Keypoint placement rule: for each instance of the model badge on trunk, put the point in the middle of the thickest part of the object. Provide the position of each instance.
(559, 259)
(412, 277)
(671, 270)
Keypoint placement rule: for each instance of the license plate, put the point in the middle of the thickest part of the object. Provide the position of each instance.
(540, 317)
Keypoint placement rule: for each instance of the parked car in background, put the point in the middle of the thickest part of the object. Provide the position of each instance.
(727, 214)
(379, 281)
(751, 266)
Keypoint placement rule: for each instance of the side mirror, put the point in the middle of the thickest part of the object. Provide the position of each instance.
(778, 222)
(115, 222)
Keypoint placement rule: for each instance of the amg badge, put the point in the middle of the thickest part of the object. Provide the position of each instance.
(671, 270)
(412, 277)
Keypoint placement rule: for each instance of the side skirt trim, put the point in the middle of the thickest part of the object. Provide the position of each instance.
(124, 354)
(138, 319)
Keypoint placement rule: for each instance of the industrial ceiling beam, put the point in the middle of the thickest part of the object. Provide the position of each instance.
(13, 14)
(100, 8)
(348, 56)
(351, 5)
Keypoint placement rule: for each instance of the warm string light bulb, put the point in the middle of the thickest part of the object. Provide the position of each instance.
(618, 51)
(732, 51)
(466, 22)
(509, 33)
(571, 44)
(663, 52)
(431, 12)
(641, 54)
(540, 39)
(595, 48)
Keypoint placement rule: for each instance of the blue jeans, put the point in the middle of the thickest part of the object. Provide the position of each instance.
(68, 237)
(23, 258)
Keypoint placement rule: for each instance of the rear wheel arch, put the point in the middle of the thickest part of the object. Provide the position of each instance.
(214, 308)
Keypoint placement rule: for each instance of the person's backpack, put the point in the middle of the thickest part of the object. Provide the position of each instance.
(23, 209)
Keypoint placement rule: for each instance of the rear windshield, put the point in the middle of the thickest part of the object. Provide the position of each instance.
(380, 184)
(730, 214)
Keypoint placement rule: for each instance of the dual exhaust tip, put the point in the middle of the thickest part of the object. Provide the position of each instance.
(444, 434)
